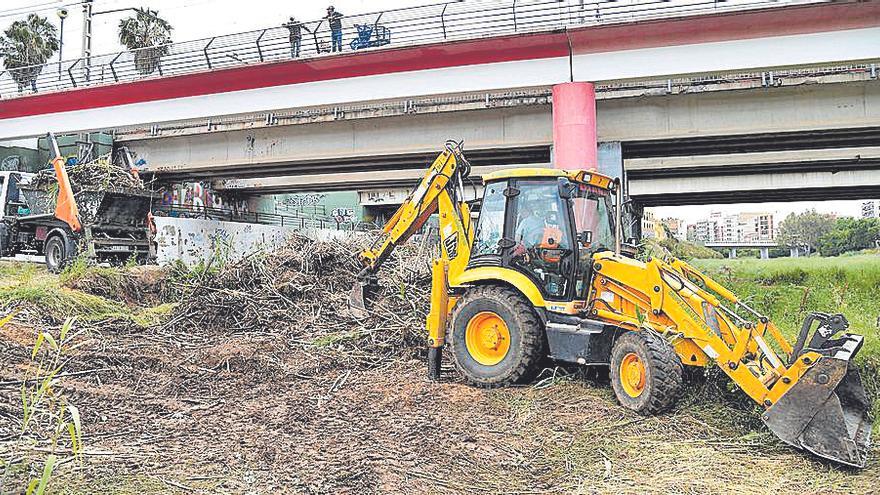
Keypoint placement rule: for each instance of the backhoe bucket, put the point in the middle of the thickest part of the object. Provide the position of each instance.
(357, 300)
(826, 411)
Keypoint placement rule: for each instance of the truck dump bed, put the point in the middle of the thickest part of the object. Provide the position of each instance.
(113, 206)
(114, 219)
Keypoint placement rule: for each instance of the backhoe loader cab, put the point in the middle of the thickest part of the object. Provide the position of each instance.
(541, 273)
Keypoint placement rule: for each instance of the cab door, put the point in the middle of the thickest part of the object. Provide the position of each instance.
(541, 245)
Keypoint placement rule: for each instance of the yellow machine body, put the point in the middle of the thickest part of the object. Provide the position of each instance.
(812, 396)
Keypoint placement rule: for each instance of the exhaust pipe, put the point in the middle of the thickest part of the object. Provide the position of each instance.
(826, 411)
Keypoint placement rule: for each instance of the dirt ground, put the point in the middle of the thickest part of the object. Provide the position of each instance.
(258, 414)
(303, 405)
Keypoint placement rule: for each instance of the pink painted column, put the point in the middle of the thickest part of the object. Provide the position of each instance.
(574, 126)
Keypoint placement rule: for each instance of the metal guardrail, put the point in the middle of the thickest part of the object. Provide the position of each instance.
(448, 21)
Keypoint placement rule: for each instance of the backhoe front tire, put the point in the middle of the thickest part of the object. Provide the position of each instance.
(496, 339)
(646, 373)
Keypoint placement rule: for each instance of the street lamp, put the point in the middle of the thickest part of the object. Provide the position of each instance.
(62, 14)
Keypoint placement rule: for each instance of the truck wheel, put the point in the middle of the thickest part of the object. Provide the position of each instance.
(496, 339)
(58, 253)
(646, 373)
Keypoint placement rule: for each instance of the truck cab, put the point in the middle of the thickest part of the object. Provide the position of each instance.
(12, 205)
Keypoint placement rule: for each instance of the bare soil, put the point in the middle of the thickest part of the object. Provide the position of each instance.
(315, 403)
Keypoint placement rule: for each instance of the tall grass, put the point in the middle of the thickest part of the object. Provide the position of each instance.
(787, 289)
(27, 284)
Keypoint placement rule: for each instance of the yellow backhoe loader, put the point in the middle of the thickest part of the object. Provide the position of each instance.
(543, 272)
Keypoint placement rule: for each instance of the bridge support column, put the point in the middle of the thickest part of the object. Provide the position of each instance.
(732, 253)
(795, 252)
(765, 253)
(574, 126)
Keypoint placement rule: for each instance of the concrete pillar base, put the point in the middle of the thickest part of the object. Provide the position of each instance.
(732, 253)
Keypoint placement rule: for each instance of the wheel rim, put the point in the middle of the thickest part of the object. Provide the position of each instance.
(632, 374)
(487, 338)
(54, 254)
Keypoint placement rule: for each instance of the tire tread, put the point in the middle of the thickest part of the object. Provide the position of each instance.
(532, 339)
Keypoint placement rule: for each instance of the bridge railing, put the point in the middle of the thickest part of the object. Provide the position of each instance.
(447, 21)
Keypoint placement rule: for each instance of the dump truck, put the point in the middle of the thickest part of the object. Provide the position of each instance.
(543, 272)
(108, 224)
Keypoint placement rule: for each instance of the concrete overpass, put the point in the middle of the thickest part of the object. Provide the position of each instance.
(763, 247)
(768, 104)
(790, 142)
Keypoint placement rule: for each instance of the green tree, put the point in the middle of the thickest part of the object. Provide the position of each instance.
(147, 33)
(850, 234)
(805, 229)
(25, 47)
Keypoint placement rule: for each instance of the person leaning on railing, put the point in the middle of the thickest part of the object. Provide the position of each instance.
(295, 28)
(334, 18)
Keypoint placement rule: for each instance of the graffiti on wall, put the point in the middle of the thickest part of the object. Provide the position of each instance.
(303, 200)
(198, 195)
(342, 215)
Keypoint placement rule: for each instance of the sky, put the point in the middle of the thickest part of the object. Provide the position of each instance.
(194, 19)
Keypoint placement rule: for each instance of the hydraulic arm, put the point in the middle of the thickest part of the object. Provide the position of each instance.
(439, 191)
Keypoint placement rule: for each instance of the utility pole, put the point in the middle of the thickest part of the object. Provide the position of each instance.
(87, 38)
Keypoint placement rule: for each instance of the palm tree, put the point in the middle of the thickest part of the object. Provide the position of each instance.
(147, 33)
(25, 47)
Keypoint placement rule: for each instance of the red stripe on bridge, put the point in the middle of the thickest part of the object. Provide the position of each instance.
(648, 34)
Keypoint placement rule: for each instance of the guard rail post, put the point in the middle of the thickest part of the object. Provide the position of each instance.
(205, 51)
(260, 49)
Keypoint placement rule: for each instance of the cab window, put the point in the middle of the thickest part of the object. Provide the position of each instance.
(542, 245)
(592, 211)
(490, 226)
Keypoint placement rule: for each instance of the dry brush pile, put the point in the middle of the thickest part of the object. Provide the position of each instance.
(99, 174)
(249, 346)
(301, 291)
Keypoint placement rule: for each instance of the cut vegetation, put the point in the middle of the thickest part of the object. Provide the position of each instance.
(251, 377)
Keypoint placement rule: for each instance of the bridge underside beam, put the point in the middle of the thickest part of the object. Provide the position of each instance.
(761, 187)
(343, 182)
(395, 143)
(673, 125)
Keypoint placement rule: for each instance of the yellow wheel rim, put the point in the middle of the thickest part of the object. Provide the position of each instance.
(632, 375)
(487, 338)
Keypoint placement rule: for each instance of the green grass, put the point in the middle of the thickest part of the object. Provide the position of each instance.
(787, 289)
(22, 283)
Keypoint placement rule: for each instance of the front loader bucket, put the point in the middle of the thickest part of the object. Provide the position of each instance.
(826, 411)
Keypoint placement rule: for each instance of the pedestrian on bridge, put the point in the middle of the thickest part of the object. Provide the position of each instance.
(295, 28)
(334, 18)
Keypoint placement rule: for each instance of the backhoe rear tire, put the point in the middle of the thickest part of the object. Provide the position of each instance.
(646, 373)
(496, 338)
